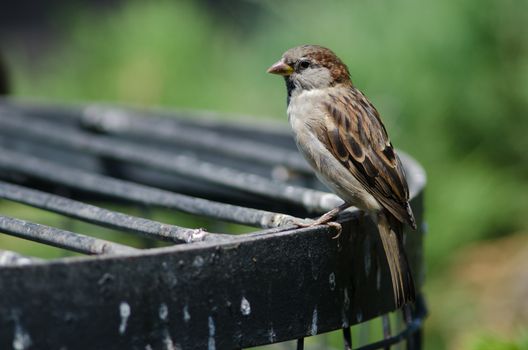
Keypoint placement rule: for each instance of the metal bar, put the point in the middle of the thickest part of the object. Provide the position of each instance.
(414, 326)
(61, 238)
(9, 258)
(417, 338)
(408, 319)
(120, 121)
(175, 119)
(104, 217)
(347, 338)
(385, 323)
(405, 334)
(213, 284)
(206, 120)
(313, 200)
(300, 344)
(82, 180)
(420, 312)
(211, 307)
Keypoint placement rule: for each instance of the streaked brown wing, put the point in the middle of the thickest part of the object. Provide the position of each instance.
(359, 140)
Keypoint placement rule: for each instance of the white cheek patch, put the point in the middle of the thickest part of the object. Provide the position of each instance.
(315, 78)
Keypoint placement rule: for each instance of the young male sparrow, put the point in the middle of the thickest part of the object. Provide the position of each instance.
(341, 135)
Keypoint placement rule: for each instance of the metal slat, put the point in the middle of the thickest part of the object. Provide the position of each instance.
(104, 217)
(125, 122)
(385, 324)
(413, 327)
(215, 282)
(347, 338)
(239, 126)
(9, 258)
(61, 238)
(218, 300)
(71, 177)
(312, 200)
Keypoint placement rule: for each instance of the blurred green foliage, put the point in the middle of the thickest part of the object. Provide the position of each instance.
(490, 342)
(450, 79)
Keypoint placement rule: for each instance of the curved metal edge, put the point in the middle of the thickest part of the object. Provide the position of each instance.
(257, 290)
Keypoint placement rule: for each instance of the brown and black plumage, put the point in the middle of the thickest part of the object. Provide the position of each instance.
(341, 135)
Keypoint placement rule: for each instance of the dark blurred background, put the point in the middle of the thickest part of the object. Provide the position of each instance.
(450, 79)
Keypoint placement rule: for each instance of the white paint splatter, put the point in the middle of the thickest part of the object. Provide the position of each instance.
(245, 307)
(367, 250)
(344, 319)
(198, 261)
(313, 329)
(186, 314)
(368, 262)
(163, 312)
(272, 335)
(124, 312)
(359, 316)
(211, 343)
(346, 299)
(332, 281)
(21, 339)
(167, 341)
(346, 307)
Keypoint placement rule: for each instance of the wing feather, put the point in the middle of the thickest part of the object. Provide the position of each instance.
(360, 142)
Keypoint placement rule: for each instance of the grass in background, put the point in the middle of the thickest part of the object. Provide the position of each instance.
(448, 78)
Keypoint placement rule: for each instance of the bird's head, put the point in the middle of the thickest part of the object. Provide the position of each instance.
(310, 67)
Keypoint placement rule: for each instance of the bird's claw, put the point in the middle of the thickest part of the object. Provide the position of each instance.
(311, 223)
(337, 227)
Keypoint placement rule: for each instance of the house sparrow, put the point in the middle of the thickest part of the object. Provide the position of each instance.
(341, 135)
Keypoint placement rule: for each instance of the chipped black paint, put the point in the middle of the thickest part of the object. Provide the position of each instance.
(249, 290)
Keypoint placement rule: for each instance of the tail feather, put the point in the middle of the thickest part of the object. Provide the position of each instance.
(390, 230)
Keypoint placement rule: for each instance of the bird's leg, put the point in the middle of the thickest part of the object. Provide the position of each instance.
(326, 219)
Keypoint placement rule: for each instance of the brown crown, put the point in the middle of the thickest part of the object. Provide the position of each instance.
(327, 58)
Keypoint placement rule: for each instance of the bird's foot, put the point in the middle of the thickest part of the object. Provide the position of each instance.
(337, 227)
(320, 221)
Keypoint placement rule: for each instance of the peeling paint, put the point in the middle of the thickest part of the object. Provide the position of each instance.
(359, 316)
(186, 314)
(245, 307)
(163, 312)
(368, 262)
(21, 339)
(344, 311)
(332, 281)
(313, 329)
(367, 250)
(272, 336)
(124, 312)
(198, 261)
(346, 299)
(167, 341)
(211, 343)
(344, 319)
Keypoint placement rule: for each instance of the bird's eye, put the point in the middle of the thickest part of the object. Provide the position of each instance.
(304, 64)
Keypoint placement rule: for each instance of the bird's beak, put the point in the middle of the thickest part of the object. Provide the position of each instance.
(281, 68)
